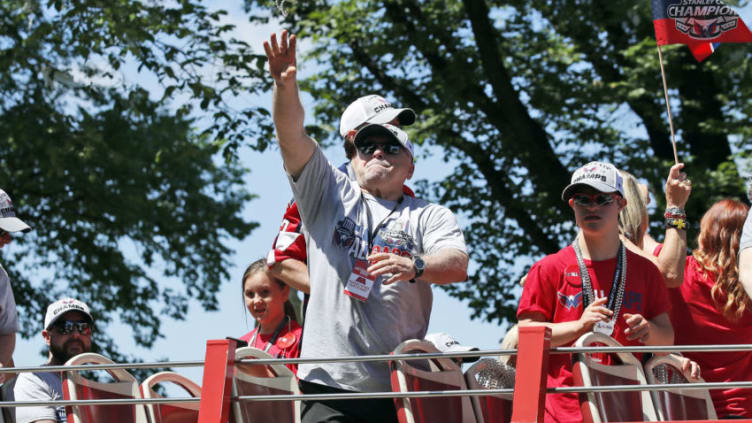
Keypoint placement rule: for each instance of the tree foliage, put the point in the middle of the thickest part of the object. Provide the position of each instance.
(520, 93)
(123, 186)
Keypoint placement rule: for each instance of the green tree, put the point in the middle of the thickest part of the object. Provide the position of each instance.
(518, 94)
(122, 182)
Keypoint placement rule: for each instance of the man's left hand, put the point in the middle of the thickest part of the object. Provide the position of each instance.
(639, 327)
(399, 267)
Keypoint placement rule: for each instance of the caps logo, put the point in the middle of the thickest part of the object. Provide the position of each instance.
(570, 301)
(590, 169)
(703, 19)
(67, 306)
(344, 233)
(589, 176)
(381, 107)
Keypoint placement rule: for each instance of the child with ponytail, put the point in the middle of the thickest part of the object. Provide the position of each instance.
(277, 330)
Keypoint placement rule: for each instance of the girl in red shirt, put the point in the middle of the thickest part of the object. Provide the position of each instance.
(277, 330)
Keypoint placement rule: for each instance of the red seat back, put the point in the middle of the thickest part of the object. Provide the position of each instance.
(428, 375)
(77, 387)
(626, 370)
(677, 404)
(171, 413)
(491, 374)
(266, 379)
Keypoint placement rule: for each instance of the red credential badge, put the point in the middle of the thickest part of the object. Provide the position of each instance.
(359, 283)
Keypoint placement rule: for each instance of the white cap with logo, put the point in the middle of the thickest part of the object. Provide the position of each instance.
(8, 220)
(446, 344)
(372, 109)
(62, 306)
(604, 177)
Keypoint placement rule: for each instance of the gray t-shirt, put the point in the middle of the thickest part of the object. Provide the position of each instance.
(8, 314)
(333, 209)
(746, 241)
(40, 386)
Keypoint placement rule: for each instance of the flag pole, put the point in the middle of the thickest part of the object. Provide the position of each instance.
(668, 105)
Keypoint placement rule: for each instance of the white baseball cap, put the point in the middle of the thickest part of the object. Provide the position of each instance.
(604, 177)
(372, 109)
(446, 344)
(8, 220)
(386, 129)
(62, 306)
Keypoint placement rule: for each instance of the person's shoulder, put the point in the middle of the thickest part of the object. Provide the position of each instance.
(557, 259)
(694, 273)
(425, 206)
(247, 336)
(640, 261)
(28, 382)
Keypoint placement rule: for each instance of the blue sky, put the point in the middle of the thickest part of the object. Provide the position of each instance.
(186, 340)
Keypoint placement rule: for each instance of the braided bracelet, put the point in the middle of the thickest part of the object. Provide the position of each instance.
(675, 212)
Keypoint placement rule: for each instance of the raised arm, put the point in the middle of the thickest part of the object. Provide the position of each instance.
(673, 254)
(287, 110)
(294, 273)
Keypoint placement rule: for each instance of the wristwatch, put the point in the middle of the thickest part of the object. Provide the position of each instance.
(419, 266)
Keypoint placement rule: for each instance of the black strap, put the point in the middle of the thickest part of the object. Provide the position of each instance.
(274, 337)
(616, 285)
(369, 218)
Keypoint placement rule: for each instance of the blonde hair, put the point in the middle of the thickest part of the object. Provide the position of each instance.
(510, 341)
(716, 253)
(633, 216)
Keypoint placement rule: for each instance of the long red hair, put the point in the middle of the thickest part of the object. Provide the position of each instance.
(717, 251)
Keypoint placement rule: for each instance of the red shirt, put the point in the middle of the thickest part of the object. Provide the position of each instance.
(287, 344)
(697, 320)
(553, 287)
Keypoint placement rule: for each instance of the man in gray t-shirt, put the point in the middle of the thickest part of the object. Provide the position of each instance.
(372, 251)
(67, 331)
(8, 317)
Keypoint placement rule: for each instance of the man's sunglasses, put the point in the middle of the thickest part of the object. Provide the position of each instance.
(368, 148)
(68, 326)
(586, 200)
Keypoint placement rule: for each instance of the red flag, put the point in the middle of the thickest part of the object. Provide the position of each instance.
(700, 24)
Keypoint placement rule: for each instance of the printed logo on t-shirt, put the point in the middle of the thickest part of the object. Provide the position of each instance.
(394, 241)
(633, 300)
(344, 233)
(397, 239)
(570, 301)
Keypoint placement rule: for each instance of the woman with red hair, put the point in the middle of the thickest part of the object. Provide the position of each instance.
(711, 307)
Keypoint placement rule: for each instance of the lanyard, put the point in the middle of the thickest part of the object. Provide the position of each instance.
(616, 294)
(372, 234)
(273, 339)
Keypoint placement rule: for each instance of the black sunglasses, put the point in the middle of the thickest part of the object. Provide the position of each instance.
(369, 148)
(586, 200)
(68, 326)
